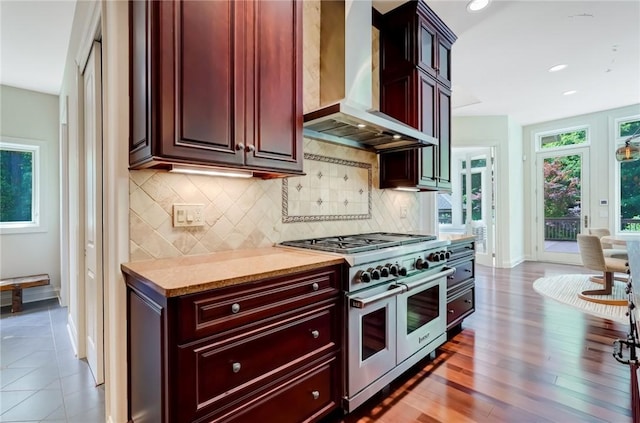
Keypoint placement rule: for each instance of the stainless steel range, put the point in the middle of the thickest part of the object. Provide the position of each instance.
(395, 303)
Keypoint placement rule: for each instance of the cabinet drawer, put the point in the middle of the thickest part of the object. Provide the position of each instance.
(460, 307)
(302, 399)
(201, 315)
(217, 372)
(462, 250)
(464, 271)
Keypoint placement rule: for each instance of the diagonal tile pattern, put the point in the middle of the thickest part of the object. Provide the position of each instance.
(40, 378)
(247, 213)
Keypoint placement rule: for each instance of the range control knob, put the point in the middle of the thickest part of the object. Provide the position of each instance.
(364, 276)
(447, 255)
(384, 271)
(402, 271)
(375, 273)
(442, 256)
(393, 269)
(434, 257)
(422, 264)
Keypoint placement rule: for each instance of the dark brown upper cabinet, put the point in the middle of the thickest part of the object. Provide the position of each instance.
(415, 88)
(216, 83)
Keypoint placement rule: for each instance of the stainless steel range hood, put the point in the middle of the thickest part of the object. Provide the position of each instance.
(345, 115)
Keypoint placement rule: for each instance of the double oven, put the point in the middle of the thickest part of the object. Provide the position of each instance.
(395, 305)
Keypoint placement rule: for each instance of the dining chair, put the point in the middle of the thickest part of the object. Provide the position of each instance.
(593, 258)
(607, 248)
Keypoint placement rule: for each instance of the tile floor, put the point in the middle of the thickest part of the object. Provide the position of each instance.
(40, 378)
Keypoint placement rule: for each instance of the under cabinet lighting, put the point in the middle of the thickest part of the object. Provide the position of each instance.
(361, 125)
(557, 68)
(477, 5)
(397, 137)
(406, 189)
(196, 170)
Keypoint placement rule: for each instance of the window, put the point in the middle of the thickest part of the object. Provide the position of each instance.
(563, 139)
(629, 183)
(19, 185)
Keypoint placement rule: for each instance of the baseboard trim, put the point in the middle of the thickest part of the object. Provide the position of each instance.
(73, 335)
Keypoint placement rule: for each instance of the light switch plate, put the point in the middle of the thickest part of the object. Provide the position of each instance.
(186, 214)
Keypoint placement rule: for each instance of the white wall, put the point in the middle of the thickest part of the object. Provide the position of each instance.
(32, 115)
(505, 135)
(601, 171)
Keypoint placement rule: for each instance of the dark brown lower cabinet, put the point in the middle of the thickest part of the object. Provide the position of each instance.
(460, 285)
(260, 351)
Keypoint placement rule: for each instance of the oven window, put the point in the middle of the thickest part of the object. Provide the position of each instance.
(374, 333)
(422, 308)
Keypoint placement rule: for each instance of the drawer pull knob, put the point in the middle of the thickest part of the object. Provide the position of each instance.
(467, 270)
(235, 308)
(236, 367)
(315, 286)
(239, 147)
(315, 395)
(467, 301)
(315, 333)
(451, 312)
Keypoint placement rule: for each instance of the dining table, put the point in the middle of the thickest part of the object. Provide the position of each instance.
(620, 239)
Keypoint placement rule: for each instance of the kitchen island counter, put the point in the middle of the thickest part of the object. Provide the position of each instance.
(177, 276)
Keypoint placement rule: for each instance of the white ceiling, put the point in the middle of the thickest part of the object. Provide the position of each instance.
(500, 60)
(34, 36)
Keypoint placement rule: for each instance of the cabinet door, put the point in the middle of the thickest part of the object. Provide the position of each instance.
(398, 99)
(427, 41)
(444, 62)
(200, 68)
(428, 124)
(141, 18)
(274, 80)
(444, 135)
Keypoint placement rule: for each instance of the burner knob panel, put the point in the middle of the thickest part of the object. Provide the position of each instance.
(365, 276)
(393, 269)
(422, 264)
(375, 273)
(384, 271)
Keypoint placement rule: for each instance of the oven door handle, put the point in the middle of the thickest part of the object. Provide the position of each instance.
(365, 302)
(420, 282)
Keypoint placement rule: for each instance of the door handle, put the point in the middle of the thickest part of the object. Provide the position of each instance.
(586, 221)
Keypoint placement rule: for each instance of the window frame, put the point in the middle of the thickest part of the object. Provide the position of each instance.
(540, 135)
(618, 141)
(38, 149)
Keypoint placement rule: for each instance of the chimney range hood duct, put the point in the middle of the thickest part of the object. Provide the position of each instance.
(346, 86)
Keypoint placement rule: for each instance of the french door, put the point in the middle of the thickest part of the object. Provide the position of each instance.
(562, 203)
(470, 208)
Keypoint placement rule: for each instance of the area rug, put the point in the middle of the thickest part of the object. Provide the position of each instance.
(565, 289)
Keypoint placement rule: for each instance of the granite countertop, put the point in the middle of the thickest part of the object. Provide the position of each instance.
(172, 277)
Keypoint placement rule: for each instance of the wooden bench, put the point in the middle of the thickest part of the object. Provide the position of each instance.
(16, 285)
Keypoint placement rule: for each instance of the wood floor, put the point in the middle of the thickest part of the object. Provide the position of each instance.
(519, 358)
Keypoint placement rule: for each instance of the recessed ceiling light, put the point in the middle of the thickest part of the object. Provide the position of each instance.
(477, 5)
(361, 125)
(569, 92)
(557, 68)
(397, 137)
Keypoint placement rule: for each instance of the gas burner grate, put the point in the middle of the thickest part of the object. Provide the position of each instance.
(351, 244)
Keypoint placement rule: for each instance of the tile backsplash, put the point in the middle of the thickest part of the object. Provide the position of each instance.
(247, 213)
